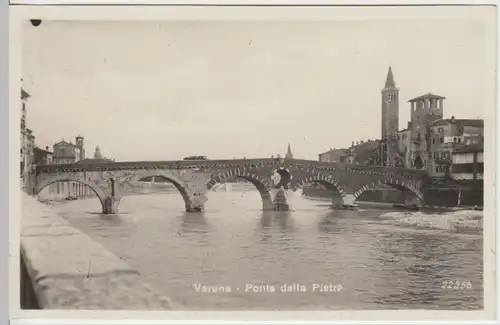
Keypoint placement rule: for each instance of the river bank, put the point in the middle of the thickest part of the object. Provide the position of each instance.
(66, 269)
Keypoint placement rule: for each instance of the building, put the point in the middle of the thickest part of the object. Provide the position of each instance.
(404, 146)
(335, 156)
(67, 152)
(425, 110)
(364, 152)
(390, 119)
(468, 163)
(446, 137)
(42, 157)
(27, 138)
(359, 153)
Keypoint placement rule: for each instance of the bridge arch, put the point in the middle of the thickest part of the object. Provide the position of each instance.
(259, 182)
(402, 185)
(320, 178)
(101, 194)
(177, 182)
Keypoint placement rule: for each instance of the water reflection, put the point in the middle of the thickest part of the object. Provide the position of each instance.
(194, 222)
(281, 219)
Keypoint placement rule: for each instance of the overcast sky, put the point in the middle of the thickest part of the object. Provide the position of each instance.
(162, 91)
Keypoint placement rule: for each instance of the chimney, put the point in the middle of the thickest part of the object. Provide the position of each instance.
(409, 125)
(452, 119)
(362, 142)
(46, 148)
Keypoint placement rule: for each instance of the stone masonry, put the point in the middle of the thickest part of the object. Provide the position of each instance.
(193, 179)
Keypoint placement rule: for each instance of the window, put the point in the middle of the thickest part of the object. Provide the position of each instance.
(440, 130)
(433, 141)
(441, 140)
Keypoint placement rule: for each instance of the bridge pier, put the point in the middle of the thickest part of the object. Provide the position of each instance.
(195, 202)
(279, 201)
(412, 200)
(348, 199)
(194, 208)
(110, 205)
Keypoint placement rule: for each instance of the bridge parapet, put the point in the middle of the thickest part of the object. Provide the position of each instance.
(374, 170)
(150, 165)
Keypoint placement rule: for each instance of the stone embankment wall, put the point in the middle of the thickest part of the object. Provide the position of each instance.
(62, 268)
(433, 196)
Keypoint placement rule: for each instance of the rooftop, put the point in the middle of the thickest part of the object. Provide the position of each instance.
(389, 81)
(43, 151)
(94, 160)
(343, 150)
(426, 96)
(64, 142)
(459, 122)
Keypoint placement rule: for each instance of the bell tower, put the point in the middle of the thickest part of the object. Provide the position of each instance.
(390, 119)
(390, 107)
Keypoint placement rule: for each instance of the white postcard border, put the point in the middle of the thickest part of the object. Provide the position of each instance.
(18, 13)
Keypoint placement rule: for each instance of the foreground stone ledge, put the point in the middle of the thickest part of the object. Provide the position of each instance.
(69, 270)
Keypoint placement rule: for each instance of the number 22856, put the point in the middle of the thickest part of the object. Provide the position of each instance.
(461, 285)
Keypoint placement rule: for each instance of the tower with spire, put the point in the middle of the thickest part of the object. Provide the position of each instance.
(390, 107)
(390, 120)
(289, 154)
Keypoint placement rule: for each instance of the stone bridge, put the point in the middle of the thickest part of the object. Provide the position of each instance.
(193, 179)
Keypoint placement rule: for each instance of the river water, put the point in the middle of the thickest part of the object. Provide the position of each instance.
(341, 259)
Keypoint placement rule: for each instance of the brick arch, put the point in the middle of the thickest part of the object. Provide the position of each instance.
(178, 183)
(402, 185)
(259, 182)
(327, 181)
(69, 178)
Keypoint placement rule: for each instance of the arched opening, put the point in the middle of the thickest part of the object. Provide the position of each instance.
(418, 163)
(382, 193)
(319, 187)
(236, 185)
(68, 189)
(406, 194)
(153, 190)
(322, 189)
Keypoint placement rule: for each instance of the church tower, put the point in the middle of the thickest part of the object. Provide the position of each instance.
(390, 107)
(289, 154)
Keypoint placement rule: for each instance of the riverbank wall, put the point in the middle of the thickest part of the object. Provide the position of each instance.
(62, 268)
(464, 195)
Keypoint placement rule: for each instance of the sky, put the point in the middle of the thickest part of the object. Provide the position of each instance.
(166, 90)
